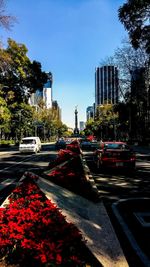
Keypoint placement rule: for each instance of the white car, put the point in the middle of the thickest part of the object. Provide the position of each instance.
(30, 144)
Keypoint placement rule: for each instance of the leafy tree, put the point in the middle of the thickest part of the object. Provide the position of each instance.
(91, 127)
(107, 119)
(5, 116)
(123, 125)
(127, 59)
(47, 122)
(5, 61)
(62, 129)
(135, 16)
(37, 77)
(22, 77)
(21, 120)
(133, 65)
(105, 123)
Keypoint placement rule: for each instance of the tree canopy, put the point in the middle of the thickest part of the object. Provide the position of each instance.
(20, 75)
(135, 16)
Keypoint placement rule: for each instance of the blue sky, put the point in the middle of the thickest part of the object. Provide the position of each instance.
(69, 38)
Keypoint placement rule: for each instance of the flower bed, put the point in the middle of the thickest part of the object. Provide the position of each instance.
(72, 150)
(67, 170)
(33, 232)
(63, 155)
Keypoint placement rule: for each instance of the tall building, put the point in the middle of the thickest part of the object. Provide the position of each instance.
(56, 107)
(89, 113)
(140, 96)
(82, 125)
(45, 94)
(106, 85)
(138, 83)
(47, 91)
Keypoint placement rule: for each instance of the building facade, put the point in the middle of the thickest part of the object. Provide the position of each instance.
(56, 107)
(44, 94)
(47, 91)
(89, 113)
(106, 85)
(82, 125)
(140, 112)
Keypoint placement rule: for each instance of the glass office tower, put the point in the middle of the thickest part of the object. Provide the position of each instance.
(106, 85)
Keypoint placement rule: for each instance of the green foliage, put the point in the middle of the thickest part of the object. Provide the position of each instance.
(22, 76)
(135, 16)
(62, 130)
(91, 127)
(36, 78)
(21, 120)
(104, 125)
(6, 143)
(5, 115)
(19, 79)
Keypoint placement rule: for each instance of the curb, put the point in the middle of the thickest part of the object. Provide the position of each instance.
(88, 176)
(126, 229)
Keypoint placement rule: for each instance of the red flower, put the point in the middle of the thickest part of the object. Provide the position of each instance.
(32, 227)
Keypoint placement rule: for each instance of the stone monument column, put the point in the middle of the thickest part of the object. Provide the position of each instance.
(76, 130)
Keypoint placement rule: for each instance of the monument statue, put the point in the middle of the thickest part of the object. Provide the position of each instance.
(76, 130)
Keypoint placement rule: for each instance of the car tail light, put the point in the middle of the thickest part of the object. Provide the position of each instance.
(133, 157)
(106, 155)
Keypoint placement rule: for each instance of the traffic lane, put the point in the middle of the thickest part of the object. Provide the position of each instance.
(114, 184)
(19, 163)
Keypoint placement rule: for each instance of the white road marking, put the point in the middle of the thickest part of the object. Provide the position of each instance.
(17, 163)
(6, 183)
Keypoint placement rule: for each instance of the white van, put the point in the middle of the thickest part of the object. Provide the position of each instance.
(30, 144)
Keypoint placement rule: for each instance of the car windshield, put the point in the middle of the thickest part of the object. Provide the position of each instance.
(115, 146)
(28, 141)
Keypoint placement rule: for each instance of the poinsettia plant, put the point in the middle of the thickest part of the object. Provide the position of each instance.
(33, 231)
(72, 150)
(67, 171)
(69, 174)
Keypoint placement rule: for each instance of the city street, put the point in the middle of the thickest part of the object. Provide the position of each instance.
(13, 165)
(112, 186)
(126, 197)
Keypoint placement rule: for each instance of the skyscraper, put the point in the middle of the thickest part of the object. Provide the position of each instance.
(89, 113)
(47, 91)
(106, 85)
(44, 94)
(82, 125)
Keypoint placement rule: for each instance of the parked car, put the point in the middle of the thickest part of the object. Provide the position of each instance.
(30, 144)
(114, 155)
(60, 144)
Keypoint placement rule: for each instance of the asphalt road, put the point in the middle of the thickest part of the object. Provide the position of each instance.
(113, 186)
(13, 165)
(126, 196)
